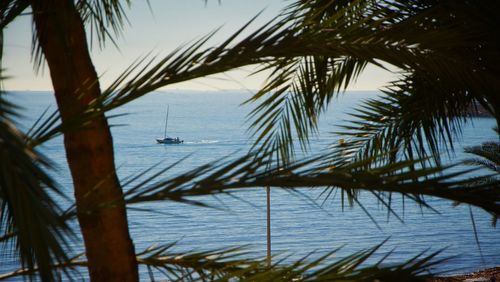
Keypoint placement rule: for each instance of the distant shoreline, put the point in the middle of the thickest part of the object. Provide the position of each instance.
(486, 275)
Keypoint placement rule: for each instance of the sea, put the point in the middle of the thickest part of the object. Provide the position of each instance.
(214, 126)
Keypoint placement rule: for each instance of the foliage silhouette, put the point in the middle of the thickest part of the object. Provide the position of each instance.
(448, 57)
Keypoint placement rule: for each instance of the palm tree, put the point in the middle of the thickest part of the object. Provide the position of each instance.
(440, 48)
(61, 40)
(315, 50)
(487, 155)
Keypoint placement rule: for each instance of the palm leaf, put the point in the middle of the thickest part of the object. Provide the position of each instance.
(408, 178)
(406, 122)
(313, 55)
(442, 81)
(234, 263)
(30, 222)
(10, 9)
(231, 264)
(488, 156)
(301, 90)
(105, 19)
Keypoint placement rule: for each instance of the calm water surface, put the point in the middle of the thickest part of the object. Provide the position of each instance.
(213, 126)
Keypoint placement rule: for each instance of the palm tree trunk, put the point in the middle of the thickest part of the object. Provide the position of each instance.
(89, 150)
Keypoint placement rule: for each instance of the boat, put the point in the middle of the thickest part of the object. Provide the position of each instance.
(170, 140)
(166, 139)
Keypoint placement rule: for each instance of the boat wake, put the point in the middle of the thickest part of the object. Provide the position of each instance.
(202, 142)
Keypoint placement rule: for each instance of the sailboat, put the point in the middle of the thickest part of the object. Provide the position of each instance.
(166, 139)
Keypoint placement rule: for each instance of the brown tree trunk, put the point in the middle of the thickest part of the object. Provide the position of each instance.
(89, 150)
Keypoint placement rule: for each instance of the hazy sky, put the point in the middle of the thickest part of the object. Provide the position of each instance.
(170, 24)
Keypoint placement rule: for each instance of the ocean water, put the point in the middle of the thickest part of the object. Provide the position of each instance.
(213, 126)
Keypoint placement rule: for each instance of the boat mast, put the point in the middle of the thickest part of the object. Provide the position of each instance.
(166, 123)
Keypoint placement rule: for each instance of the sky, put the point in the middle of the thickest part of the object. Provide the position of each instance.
(159, 30)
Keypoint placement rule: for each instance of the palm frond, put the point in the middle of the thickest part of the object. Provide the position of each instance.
(313, 55)
(408, 178)
(406, 122)
(192, 62)
(301, 89)
(438, 81)
(10, 9)
(69, 265)
(30, 219)
(235, 263)
(228, 264)
(196, 266)
(488, 156)
(105, 19)
(278, 39)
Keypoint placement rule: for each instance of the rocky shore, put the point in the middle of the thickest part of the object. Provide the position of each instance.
(485, 275)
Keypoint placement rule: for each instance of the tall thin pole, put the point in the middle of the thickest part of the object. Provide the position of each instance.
(268, 194)
(166, 123)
